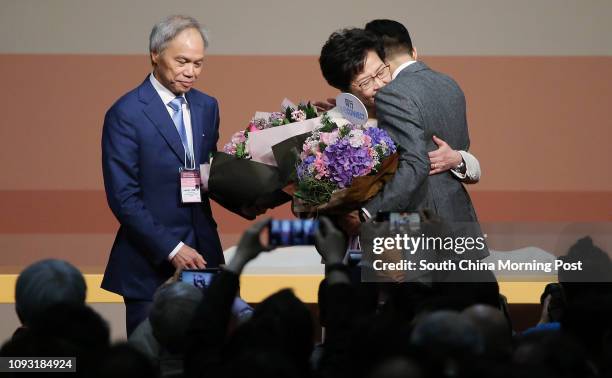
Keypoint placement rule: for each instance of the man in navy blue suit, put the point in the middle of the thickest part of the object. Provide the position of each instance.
(150, 134)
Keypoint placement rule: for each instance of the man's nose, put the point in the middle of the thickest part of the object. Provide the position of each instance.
(189, 70)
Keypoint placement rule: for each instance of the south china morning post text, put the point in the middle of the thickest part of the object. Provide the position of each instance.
(407, 245)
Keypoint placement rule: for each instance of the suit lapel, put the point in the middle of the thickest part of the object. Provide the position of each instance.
(156, 111)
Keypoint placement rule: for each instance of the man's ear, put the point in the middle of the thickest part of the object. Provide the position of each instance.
(414, 53)
(154, 58)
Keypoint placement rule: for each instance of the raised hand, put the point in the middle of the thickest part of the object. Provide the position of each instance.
(330, 242)
(249, 247)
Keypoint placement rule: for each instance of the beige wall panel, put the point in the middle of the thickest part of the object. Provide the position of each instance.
(441, 27)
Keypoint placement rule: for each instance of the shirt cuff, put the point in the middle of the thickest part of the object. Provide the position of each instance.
(175, 250)
(366, 213)
(458, 174)
(472, 167)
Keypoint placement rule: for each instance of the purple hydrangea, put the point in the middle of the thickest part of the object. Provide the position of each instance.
(345, 162)
(379, 136)
(304, 167)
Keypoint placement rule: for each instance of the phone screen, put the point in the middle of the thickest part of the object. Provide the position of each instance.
(403, 220)
(199, 278)
(288, 232)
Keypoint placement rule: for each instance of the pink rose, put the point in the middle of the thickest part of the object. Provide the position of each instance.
(252, 127)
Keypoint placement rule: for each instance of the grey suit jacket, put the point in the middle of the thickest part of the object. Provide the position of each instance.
(418, 104)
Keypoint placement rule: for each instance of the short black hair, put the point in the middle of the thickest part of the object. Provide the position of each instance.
(343, 55)
(394, 35)
(45, 283)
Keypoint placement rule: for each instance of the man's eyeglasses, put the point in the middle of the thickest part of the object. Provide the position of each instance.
(383, 73)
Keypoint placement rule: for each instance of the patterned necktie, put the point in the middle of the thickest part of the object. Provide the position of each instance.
(177, 105)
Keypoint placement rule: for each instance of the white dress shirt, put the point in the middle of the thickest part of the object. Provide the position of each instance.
(167, 96)
(400, 68)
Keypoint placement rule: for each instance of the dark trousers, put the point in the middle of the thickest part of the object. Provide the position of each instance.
(136, 310)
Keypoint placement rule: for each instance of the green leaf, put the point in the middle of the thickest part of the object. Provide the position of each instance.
(288, 111)
(240, 150)
(344, 131)
(328, 124)
(311, 111)
(315, 191)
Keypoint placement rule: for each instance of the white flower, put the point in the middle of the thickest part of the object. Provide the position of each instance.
(356, 138)
(373, 154)
(298, 115)
(314, 145)
(370, 123)
(329, 138)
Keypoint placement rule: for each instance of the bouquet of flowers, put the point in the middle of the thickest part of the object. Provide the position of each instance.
(342, 166)
(238, 145)
(246, 159)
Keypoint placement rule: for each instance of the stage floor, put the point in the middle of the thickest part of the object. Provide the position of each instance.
(298, 268)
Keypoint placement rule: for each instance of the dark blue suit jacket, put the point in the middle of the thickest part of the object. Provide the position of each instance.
(141, 156)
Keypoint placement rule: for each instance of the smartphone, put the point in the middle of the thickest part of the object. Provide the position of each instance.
(405, 220)
(288, 232)
(200, 278)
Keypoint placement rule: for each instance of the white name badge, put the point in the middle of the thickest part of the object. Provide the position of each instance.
(190, 185)
(352, 108)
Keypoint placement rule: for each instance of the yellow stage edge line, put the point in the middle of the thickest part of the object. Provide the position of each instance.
(254, 288)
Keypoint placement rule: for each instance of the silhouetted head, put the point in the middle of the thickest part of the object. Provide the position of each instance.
(494, 328)
(448, 339)
(171, 313)
(46, 283)
(282, 324)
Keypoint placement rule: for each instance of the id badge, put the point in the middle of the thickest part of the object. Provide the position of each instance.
(190, 185)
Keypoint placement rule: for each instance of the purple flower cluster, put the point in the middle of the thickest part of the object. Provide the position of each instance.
(345, 162)
(304, 166)
(331, 159)
(381, 138)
